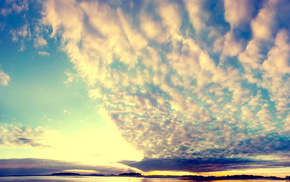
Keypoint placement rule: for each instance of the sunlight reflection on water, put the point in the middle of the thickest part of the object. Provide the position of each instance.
(110, 179)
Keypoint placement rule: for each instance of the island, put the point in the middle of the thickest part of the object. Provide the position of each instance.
(65, 174)
(131, 174)
(184, 177)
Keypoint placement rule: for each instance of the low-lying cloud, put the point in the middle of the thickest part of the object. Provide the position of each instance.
(33, 166)
(195, 165)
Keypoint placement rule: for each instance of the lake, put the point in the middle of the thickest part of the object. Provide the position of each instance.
(110, 179)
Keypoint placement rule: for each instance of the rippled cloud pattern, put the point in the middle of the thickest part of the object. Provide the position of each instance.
(185, 79)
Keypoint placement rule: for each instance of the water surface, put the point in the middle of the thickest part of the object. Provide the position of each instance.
(110, 179)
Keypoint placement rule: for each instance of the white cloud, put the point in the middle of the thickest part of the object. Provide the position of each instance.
(196, 14)
(19, 136)
(4, 78)
(136, 39)
(11, 6)
(251, 56)
(263, 24)
(228, 45)
(151, 28)
(66, 112)
(39, 42)
(170, 15)
(21, 35)
(278, 56)
(22, 32)
(70, 77)
(171, 97)
(237, 12)
(43, 53)
(263, 27)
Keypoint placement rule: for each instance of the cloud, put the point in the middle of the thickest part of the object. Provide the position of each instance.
(71, 77)
(43, 53)
(34, 166)
(185, 90)
(237, 12)
(136, 40)
(17, 136)
(4, 78)
(228, 45)
(14, 6)
(151, 28)
(20, 11)
(170, 15)
(263, 24)
(21, 35)
(194, 165)
(267, 36)
(197, 14)
(278, 56)
(204, 165)
(39, 42)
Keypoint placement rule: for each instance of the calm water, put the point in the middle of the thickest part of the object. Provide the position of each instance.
(108, 179)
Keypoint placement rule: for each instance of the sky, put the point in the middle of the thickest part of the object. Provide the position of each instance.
(150, 86)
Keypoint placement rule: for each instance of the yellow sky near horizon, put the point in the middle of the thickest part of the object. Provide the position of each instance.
(278, 172)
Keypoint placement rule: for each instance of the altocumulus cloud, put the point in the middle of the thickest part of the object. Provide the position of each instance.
(185, 80)
(21, 136)
(4, 78)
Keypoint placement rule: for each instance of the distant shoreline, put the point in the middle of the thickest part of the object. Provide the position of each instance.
(186, 177)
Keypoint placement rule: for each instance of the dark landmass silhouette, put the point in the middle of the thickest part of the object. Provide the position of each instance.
(97, 175)
(209, 178)
(130, 174)
(184, 177)
(233, 177)
(65, 174)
